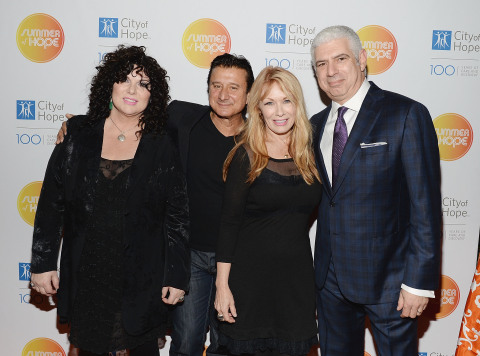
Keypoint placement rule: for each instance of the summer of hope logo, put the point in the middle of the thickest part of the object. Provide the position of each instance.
(40, 38)
(203, 40)
(454, 134)
(381, 48)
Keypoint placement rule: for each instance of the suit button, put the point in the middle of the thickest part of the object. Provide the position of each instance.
(332, 204)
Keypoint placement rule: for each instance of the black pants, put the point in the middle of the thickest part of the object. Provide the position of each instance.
(147, 349)
(269, 353)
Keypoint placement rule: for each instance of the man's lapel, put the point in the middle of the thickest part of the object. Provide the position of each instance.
(318, 152)
(365, 121)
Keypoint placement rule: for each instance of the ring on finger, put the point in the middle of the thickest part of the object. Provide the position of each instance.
(220, 317)
(181, 299)
(32, 284)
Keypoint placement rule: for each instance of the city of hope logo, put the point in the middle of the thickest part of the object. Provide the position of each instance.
(203, 40)
(447, 296)
(442, 40)
(108, 27)
(276, 33)
(40, 38)
(25, 110)
(43, 346)
(24, 271)
(381, 48)
(27, 201)
(454, 134)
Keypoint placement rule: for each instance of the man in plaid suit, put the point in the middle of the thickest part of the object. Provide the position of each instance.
(377, 250)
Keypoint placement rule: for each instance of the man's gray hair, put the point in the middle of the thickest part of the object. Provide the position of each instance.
(335, 32)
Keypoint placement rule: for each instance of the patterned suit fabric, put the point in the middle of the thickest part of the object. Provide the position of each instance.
(380, 224)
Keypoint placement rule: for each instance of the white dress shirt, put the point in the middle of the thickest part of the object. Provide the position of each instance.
(353, 105)
(326, 143)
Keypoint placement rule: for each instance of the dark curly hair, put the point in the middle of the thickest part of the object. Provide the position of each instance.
(115, 68)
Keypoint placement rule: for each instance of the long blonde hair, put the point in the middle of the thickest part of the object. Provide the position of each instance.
(253, 133)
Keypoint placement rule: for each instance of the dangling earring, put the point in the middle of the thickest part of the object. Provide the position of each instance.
(110, 105)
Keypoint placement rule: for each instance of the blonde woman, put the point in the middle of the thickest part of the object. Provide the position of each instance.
(265, 279)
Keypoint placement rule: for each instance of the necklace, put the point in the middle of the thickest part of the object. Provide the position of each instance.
(122, 137)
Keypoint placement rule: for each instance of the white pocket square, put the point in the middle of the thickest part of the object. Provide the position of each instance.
(373, 144)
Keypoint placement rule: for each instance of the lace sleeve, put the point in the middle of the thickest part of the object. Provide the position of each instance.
(48, 227)
(233, 208)
(177, 259)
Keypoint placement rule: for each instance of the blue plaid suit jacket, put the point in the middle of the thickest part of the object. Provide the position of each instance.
(381, 223)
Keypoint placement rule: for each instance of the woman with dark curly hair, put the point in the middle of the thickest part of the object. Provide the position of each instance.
(116, 192)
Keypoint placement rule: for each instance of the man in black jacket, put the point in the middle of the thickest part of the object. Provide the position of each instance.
(205, 135)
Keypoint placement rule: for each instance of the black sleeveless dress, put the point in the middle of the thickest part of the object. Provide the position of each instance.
(96, 324)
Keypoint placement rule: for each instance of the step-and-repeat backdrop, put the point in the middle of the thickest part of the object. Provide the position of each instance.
(427, 50)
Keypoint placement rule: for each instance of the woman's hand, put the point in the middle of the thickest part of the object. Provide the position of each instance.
(225, 305)
(45, 283)
(174, 295)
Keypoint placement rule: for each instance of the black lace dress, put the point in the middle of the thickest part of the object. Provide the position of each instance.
(96, 324)
(265, 236)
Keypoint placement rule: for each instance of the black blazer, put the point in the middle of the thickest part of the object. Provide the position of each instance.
(156, 222)
(182, 117)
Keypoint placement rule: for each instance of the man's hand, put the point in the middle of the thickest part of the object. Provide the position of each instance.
(411, 305)
(174, 295)
(63, 130)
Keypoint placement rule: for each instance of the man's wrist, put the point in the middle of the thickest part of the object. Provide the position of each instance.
(419, 292)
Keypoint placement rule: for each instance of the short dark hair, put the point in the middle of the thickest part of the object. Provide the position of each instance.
(228, 60)
(114, 68)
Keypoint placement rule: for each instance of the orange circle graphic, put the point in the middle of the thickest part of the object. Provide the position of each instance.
(27, 201)
(43, 346)
(203, 40)
(454, 134)
(40, 38)
(447, 297)
(381, 48)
